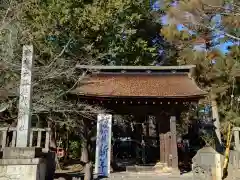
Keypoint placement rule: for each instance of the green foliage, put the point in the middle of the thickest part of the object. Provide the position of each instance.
(111, 32)
(75, 149)
(216, 72)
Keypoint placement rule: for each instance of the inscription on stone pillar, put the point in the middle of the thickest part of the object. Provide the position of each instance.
(24, 111)
(236, 138)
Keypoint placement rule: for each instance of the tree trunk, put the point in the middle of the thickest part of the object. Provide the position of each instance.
(53, 144)
(67, 148)
(215, 116)
(84, 154)
(85, 158)
(88, 171)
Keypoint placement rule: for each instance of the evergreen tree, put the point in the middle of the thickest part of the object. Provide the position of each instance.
(209, 23)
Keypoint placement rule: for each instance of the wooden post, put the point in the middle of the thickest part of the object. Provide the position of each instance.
(24, 112)
(174, 152)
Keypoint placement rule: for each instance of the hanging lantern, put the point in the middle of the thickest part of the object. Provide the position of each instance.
(60, 152)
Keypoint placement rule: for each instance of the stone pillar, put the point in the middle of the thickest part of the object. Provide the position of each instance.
(25, 99)
(174, 152)
(162, 148)
(167, 149)
(161, 142)
(24, 162)
(207, 164)
(236, 140)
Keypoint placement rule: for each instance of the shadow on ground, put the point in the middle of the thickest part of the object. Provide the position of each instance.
(72, 176)
(69, 176)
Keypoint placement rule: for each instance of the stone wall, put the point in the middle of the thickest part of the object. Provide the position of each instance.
(22, 169)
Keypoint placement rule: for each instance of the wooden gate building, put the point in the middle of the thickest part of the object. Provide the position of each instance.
(143, 91)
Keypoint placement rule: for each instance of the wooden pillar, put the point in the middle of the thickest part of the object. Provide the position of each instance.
(174, 152)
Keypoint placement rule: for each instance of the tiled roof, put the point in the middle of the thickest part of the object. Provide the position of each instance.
(140, 85)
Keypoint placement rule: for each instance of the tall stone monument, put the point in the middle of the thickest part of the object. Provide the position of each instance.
(24, 112)
(23, 162)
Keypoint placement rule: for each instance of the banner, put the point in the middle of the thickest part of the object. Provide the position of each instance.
(103, 145)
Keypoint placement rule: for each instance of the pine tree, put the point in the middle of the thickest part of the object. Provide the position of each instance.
(209, 23)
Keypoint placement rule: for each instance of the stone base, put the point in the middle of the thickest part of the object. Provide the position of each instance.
(158, 168)
(160, 165)
(23, 163)
(22, 152)
(139, 168)
(162, 168)
(23, 169)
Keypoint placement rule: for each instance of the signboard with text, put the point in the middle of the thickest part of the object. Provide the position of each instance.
(103, 145)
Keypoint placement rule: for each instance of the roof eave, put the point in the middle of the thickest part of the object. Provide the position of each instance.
(89, 67)
(197, 96)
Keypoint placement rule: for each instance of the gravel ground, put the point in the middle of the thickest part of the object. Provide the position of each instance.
(148, 176)
(129, 176)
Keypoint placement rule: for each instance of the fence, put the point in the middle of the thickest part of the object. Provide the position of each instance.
(9, 136)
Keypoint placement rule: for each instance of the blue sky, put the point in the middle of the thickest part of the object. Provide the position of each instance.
(223, 47)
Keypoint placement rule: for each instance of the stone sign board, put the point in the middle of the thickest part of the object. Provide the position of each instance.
(207, 164)
(25, 98)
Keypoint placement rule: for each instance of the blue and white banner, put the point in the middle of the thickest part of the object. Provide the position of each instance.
(103, 145)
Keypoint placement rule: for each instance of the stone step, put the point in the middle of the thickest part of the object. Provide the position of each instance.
(139, 168)
(159, 168)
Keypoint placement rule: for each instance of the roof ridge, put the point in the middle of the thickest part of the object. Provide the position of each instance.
(97, 67)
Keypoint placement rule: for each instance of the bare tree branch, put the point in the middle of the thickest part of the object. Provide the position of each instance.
(219, 31)
(61, 53)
